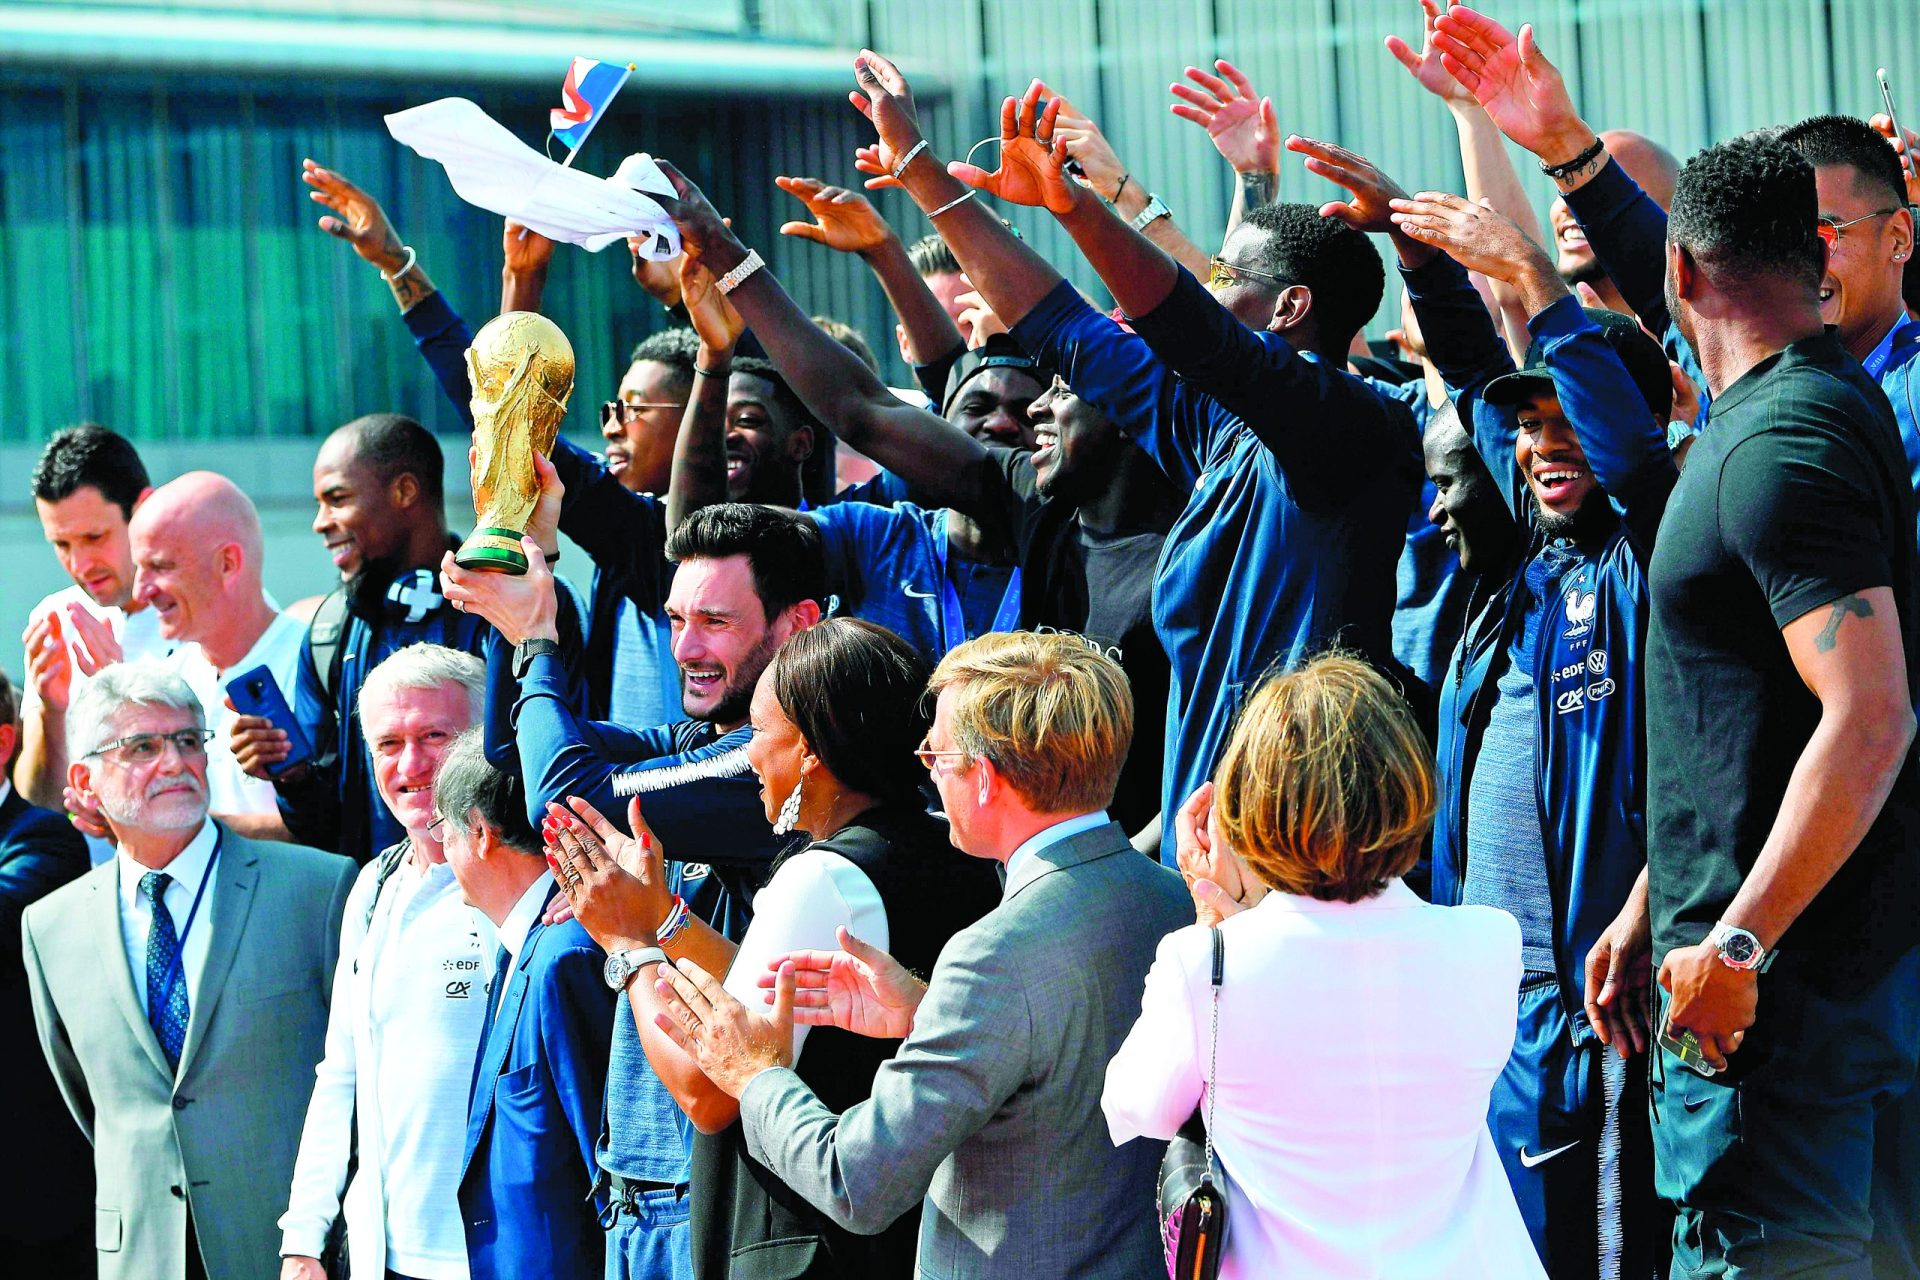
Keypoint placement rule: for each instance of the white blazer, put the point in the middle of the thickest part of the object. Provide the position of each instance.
(1358, 1045)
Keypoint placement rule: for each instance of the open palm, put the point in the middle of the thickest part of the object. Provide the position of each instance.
(858, 988)
(1520, 89)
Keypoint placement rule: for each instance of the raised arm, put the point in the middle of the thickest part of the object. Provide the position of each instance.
(1102, 170)
(944, 463)
(441, 336)
(846, 221)
(1483, 156)
(699, 476)
(1526, 97)
(1625, 445)
(1242, 126)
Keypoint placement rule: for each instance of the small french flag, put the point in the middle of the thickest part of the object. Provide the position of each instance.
(586, 91)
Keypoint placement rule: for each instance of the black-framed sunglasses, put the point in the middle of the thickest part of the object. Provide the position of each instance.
(1221, 273)
(145, 748)
(628, 410)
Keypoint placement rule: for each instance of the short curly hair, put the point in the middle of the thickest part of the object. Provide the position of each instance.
(1748, 208)
(1337, 264)
(674, 348)
(1849, 140)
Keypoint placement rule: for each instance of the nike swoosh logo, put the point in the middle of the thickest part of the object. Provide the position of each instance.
(916, 595)
(1528, 1161)
(1693, 1104)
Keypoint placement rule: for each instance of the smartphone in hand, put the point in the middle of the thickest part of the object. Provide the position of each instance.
(256, 693)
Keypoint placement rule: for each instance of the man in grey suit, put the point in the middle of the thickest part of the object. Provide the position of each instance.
(991, 1109)
(180, 993)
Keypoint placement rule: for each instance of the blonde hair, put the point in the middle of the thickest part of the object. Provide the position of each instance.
(1327, 787)
(1053, 714)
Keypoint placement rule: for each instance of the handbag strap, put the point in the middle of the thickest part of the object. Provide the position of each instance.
(1213, 1051)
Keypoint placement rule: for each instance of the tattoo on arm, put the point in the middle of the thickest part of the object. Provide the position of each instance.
(1842, 608)
(1259, 189)
(410, 288)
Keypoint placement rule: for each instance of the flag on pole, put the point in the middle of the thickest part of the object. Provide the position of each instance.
(585, 93)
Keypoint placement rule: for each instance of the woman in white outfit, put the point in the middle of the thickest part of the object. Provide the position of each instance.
(1360, 1028)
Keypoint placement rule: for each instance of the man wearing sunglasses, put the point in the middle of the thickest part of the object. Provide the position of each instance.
(180, 992)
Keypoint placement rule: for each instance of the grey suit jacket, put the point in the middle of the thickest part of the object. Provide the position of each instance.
(991, 1109)
(222, 1136)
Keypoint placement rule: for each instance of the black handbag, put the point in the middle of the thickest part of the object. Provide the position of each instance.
(1193, 1190)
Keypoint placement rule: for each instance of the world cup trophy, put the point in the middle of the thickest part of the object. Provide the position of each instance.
(521, 369)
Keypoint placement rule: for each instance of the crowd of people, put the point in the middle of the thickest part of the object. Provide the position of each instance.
(1476, 776)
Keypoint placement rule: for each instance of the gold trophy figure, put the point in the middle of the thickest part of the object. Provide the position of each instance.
(521, 368)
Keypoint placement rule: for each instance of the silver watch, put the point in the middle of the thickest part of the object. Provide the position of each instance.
(1738, 948)
(622, 965)
(1156, 208)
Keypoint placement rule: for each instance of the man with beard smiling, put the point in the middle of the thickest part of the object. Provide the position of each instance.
(746, 577)
(1542, 768)
(180, 992)
(377, 485)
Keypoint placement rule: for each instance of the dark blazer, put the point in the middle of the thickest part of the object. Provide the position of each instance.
(527, 1189)
(39, 852)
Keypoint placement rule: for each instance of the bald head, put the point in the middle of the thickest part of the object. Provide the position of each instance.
(197, 549)
(1646, 162)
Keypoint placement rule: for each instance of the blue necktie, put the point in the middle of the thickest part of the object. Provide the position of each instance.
(166, 974)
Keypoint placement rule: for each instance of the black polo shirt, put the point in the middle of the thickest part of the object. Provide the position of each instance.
(1795, 495)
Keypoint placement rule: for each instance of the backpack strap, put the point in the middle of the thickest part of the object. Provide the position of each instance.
(326, 641)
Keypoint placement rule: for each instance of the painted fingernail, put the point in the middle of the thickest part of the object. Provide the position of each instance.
(646, 840)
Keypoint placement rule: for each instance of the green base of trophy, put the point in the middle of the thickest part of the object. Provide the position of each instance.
(492, 551)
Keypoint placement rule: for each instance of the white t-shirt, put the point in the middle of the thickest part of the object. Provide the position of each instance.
(278, 649)
(811, 895)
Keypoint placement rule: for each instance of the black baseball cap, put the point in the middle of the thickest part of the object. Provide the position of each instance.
(1000, 352)
(1645, 362)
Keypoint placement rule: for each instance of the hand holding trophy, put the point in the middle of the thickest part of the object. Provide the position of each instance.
(521, 368)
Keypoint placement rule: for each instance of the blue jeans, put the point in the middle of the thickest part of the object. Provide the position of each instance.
(651, 1241)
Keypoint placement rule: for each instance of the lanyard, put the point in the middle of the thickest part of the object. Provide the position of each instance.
(193, 912)
(953, 616)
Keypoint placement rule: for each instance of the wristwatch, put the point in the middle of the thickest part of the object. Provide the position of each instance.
(622, 965)
(1156, 208)
(527, 650)
(1739, 949)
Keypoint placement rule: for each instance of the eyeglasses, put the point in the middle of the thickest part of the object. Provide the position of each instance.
(1221, 273)
(433, 828)
(931, 758)
(145, 748)
(628, 410)
(1832, 231)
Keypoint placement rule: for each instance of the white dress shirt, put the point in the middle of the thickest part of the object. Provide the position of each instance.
(519, 923)
(186, 873)
(1053, 835)
(1358, 1045)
